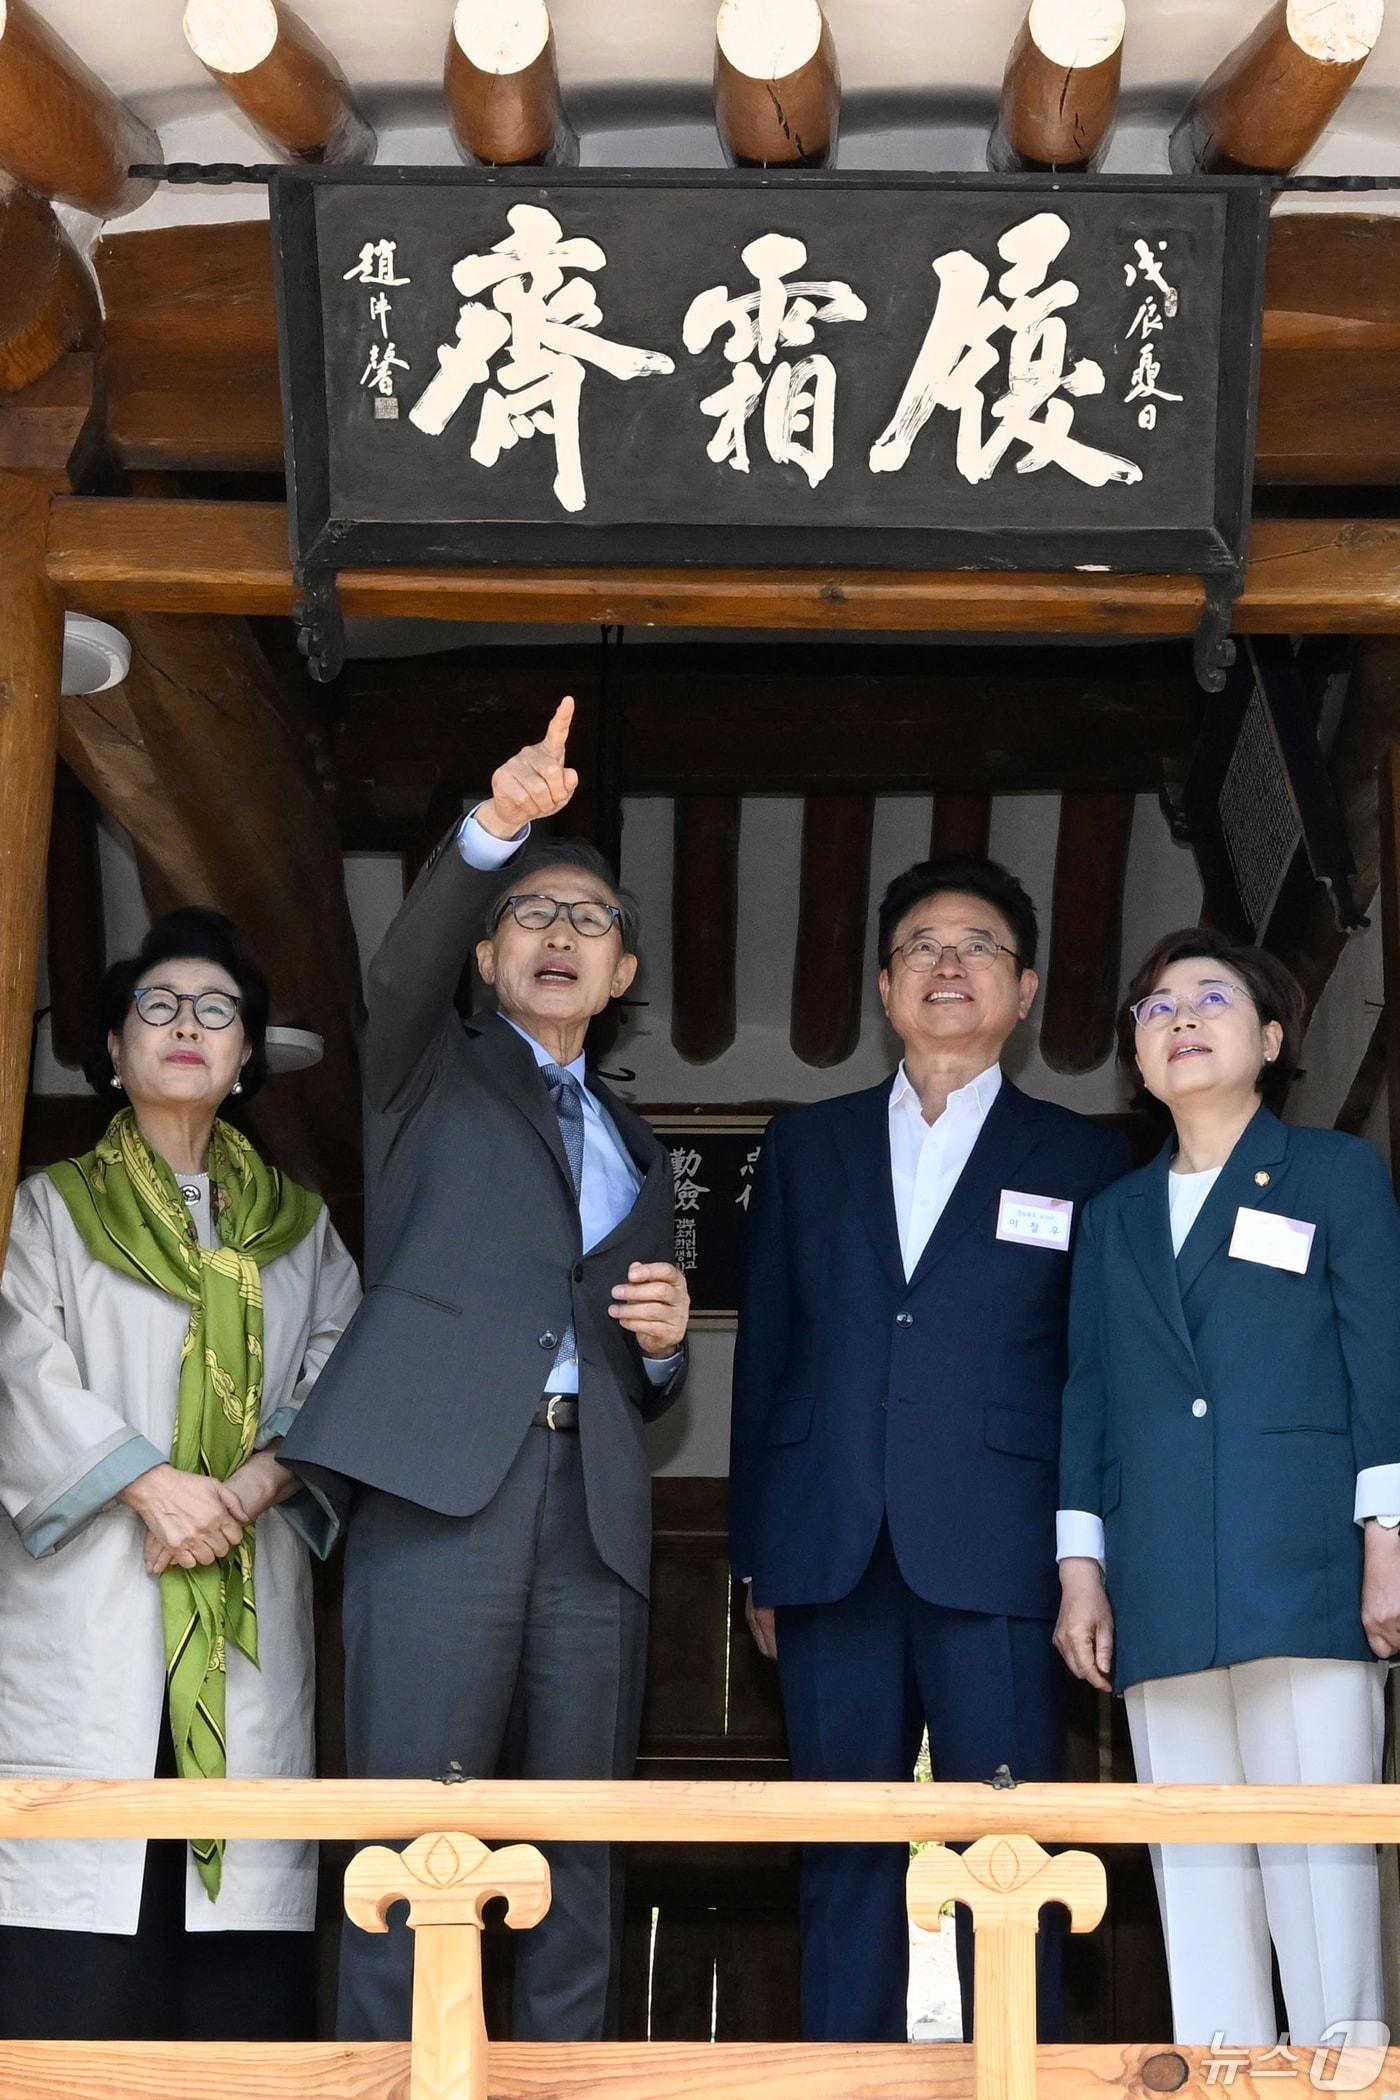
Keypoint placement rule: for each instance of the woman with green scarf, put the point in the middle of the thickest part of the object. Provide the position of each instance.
(167, 1302)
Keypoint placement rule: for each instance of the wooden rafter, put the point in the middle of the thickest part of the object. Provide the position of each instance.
(75, 939)
(704, 926)
(1086, 932)
(48, 300)
(961, 824)
(282, 78)
(501, 81)
(1059, 97)
(777, 84)
(828, 972)
(62, 133)
(1269, 102)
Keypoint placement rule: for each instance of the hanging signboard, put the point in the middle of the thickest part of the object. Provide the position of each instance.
(714, 1155)
(767, 368)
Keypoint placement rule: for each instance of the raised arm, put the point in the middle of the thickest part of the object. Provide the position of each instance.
(414, 975)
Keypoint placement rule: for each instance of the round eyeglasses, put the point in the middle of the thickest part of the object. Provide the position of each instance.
(1160, 1008)
(978, 952)
(590, 918)
(157, 1005)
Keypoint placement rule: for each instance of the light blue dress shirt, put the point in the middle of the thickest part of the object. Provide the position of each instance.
(611, 1177)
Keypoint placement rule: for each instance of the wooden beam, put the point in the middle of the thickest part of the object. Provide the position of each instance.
(1086, 932)
(777, 84)
(48, 301)
(501, 80)
(1266, 106)
(192, 351)
(704, 925)
(828, 973)
(1059, 96)
(195, 729)
(31, 660)
(62, 133)
(54, 426)
(961, 824)
(76, 939)
(282, 78)
(1324, 576)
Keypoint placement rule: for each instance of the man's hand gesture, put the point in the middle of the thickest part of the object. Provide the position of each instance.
(535, 783)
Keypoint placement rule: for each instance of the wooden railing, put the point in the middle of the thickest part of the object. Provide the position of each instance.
(447, 1876)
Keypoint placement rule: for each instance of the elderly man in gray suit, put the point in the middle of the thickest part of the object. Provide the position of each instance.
(481, 1426)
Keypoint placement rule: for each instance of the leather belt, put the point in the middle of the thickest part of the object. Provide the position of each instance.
(557, 1411)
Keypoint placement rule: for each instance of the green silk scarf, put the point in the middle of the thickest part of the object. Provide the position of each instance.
(125, 1203)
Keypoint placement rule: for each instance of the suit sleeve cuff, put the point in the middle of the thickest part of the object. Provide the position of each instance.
(1079, 1536)
(661, 1370)
(481, 849)
(1377, 1492)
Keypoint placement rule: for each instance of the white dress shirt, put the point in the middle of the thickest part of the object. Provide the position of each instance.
(927, 1158)
(1079, 1534)
(611, 1178)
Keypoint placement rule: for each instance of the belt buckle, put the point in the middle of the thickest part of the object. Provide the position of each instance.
(550, 1404)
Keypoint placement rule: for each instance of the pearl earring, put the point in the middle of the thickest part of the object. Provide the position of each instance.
(115, 1081)
(237, 1086)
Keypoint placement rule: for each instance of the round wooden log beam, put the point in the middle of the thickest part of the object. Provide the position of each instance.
(777, 84)
(1059, 97)
(48, 300)
(501, 81)
(282, 78)
(31, 661)
(1270, 101)
(705, 926)
(828, 976)
(62, 132)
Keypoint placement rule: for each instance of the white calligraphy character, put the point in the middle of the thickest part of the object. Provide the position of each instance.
(376, 265)
(545, 316)
(799, 409)
(1151, 269)
(379, 372)
(1144, 388)
(958, 357)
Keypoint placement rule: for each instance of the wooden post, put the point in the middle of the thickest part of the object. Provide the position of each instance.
(777, 84)
(447, 1880)
(1059, 96)
(501, 80)
(31, 662)
(1086, 931)
(48, 300)
(1270, 101)
(62, 133)
(1004, 1881)
(283, 79)
(704, 925)
(76, 940)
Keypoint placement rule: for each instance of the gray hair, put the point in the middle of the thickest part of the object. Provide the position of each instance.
(567, 853)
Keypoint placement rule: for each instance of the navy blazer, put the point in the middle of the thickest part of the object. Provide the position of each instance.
(1218, 1411)
(933, 1403)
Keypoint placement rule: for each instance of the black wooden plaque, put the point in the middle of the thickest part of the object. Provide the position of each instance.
(758, 368)
(713, 1157)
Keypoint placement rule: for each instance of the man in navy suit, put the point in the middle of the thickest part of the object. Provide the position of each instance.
(900, 1362)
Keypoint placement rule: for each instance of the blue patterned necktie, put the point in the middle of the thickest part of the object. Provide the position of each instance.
(567, 1096)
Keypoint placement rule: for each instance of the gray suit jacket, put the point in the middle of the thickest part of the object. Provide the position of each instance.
(474, 1261)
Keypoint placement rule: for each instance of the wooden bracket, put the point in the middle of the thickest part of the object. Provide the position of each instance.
(447, 1879)
(1004, 1881)
(1213, 652)
(320, 624)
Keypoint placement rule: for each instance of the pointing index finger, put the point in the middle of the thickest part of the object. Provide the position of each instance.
(556, 737)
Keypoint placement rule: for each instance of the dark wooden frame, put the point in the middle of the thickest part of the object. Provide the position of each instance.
(322, 543)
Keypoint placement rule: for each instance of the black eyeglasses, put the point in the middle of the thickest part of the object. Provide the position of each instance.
(591, 918)
(157, 1005)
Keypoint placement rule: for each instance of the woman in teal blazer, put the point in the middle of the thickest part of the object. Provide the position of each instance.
(1230, 1483)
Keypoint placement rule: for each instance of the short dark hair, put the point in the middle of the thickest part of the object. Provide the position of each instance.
(986, 879)
(191, 934)
(566, 853)
(1275, 991)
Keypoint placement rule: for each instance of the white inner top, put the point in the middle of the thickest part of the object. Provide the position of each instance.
(1341, 32)
(927, 1159)
(768, 39)
(1186, 1193)
(1077, 32)
(232, 36)
(501, 36)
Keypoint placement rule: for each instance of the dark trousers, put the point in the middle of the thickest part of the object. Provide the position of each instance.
(861, 1679)
(161, 1984)
(465, 1636)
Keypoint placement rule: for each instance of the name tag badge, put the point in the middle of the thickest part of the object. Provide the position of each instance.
(1035, 1221)
(1274, 1241)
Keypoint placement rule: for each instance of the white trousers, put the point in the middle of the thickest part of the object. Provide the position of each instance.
(1277, 1721)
